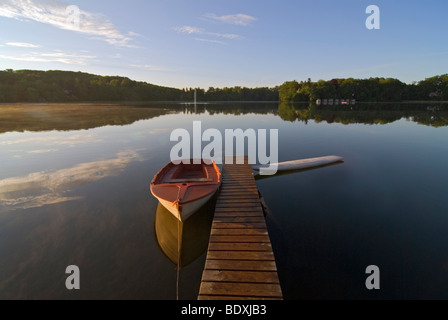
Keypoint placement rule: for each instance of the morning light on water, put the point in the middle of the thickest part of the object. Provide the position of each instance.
(224, 150)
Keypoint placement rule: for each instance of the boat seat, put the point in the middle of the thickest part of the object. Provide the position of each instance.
(187, 180)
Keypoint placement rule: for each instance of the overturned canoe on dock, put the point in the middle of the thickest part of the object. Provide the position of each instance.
(302, 163)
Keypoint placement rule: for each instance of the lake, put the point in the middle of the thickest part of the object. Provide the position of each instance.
(74, 190)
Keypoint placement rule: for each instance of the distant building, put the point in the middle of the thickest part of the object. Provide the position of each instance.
(335, 101)
(433, 94)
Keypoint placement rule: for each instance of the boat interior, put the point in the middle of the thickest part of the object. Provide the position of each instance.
(188, 173)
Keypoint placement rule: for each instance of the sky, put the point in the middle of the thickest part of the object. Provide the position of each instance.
(225, 43)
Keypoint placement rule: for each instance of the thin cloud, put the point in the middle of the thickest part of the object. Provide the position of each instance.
(190, 30)
(67, 55)
(210, 40)
(149, 67)
(200, 31)
(22, 44)
(42, 151)
(134, 34)
(224, 35)
(56, 13)
(235, 19)
(65, 58)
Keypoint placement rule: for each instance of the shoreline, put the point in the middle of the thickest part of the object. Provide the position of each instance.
(141, 103)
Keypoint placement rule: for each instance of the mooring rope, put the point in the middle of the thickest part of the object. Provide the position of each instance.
(179, 243)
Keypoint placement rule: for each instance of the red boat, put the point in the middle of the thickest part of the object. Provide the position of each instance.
(184, 188)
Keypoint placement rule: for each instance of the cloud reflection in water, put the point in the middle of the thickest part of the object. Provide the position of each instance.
(41, 188)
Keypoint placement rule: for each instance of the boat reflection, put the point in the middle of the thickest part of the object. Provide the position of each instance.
(194, 233)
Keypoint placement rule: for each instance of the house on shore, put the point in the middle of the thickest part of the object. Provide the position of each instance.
(335, 101)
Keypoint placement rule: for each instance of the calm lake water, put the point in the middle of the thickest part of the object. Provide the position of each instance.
(74, 190)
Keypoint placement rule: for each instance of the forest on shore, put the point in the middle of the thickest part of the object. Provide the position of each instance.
(366, 90)
(67, 86)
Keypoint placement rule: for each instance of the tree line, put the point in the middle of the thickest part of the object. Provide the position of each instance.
(366, 90)
(234, 94)
(68, 86)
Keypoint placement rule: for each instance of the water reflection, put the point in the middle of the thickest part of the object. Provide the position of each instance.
(381, 207)
(42, 188)
(435, 116)
(50, 142)
(42, 117)
(194, 233)
(65, 117)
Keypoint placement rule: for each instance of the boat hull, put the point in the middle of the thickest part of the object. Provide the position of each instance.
(184, 211)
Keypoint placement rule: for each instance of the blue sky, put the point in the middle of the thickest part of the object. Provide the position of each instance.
(203, 43)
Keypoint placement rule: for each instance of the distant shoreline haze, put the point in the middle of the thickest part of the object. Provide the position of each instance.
(67, 86)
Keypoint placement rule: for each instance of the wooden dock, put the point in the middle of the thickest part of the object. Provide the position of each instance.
(240, 263)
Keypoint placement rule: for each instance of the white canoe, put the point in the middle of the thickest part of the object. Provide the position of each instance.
(302, 163)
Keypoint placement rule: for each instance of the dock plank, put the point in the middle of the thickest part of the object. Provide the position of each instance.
(238, 232)
(242, 246)
(236, 238)
(242, 219)
(237, 276)
(238, 225)
(237, 289)
(241, 255)
(242, 265)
